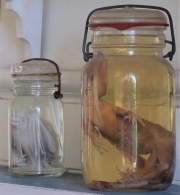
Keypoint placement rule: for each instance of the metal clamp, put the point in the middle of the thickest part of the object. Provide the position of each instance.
(57, 94)
(85, 47)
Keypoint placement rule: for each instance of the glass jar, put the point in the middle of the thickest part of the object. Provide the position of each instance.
(36, 127)
(128, 90)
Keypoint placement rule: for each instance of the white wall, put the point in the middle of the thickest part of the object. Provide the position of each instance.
(62, 35)
(64, 23)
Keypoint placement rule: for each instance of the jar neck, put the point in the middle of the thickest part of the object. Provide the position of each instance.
(33, 88)
(130, 51)
(128, 44)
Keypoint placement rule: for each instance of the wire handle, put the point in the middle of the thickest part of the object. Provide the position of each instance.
(170, 54)
(57, 94)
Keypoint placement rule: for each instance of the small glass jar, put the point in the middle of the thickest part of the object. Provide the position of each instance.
(36, 127)
(128, 92)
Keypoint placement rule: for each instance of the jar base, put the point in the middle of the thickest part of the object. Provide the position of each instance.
(142, 186)
(32, 172)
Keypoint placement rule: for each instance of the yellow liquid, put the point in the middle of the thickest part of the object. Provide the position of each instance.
(141, 84)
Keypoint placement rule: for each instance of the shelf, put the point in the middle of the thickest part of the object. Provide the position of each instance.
(69, 183)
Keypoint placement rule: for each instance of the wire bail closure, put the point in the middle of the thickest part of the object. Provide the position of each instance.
(57, 94)
(170, 54)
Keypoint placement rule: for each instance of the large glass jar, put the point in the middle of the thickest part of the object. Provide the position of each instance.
(128, 90)
(36, 129)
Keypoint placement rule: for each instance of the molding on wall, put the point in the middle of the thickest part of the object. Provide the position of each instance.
(70, 84)
(28, 16)
(177, 72)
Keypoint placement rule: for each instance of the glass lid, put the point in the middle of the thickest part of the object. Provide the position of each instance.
(33, 68)
(126, 18)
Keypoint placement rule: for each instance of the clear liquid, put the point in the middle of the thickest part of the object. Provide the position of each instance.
(36, 134)
(112, 152)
